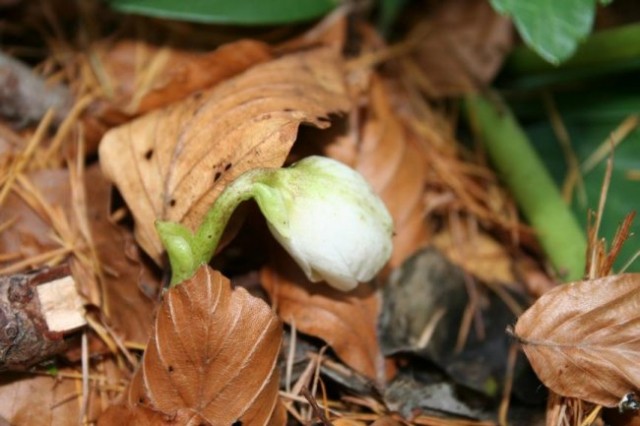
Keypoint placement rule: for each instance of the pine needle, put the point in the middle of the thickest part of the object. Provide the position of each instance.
(607, 147)
(23, 158)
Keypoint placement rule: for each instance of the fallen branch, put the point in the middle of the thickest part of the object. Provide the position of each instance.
(37, 311)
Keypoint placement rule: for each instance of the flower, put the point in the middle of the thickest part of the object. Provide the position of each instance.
(323, 213)
(328, 219)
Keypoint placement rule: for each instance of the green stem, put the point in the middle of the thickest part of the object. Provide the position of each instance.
(188, 251)
(530, 183)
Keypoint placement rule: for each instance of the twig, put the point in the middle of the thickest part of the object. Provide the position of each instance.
(594, 261)
(607, 147)
(41, 308)
(574, 176)
(314, 406)
(503, 410)
(290, 356)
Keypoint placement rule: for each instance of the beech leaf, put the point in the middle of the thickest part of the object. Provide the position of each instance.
(346, 321)
(211, 358)
(143, 76)
(582, 338)
(172, 164)
(462, 45)
(38, 400)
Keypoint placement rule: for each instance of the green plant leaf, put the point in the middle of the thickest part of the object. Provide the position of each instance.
(533, 188)
(255, 12)
(553, 28)
(608, 51)
(590, 116)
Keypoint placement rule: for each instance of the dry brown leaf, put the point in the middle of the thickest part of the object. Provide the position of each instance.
(477, 253)
(30, 233)
(39, 400)
(42, 400)
(173, 163)
(130, 287)
(389, 157)
(140, 77)
(211, 358)
(135, 77)
(386, 421)
(582, 338)
(346, 321)
(460, 46)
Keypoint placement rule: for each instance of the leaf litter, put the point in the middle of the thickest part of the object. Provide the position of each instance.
(179, 124)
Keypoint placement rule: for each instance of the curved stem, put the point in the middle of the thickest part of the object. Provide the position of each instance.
(188, 251)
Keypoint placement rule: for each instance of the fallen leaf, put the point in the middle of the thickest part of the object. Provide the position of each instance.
(42, 400)
(582, 338)
(430, 310)
(130, 286)
(211, 358)
(416, 390)
(136, 77)
(141, 77)
(389, 157)
(387, 421)
(478, 253)
(460, 46)
(346, 321)
(173, 163)
(38, 400)
(30, 233)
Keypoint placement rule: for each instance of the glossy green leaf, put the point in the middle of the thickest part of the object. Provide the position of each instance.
(255, 12)
(608, 51)
(552, 28)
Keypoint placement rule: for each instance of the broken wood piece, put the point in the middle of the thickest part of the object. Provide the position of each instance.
(61, 304)
(38, 312)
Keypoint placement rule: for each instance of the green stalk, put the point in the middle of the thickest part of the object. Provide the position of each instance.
(530, 183)
(604, 52)
(188, 251)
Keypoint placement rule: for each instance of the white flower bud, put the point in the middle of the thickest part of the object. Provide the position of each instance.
(328, 219)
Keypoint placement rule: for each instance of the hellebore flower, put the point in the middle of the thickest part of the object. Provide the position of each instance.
(329, 220)
(322, 212)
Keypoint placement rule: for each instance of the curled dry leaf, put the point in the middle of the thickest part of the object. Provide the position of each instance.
(478, 253)
(173, 163)
(582, 338)
(211, 359)
(140, 77)
(459, 46)
(346, 321)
